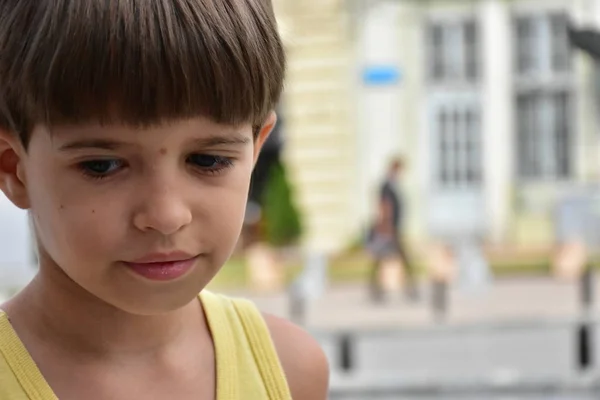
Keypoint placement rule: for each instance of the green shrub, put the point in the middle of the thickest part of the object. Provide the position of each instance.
(281, 218)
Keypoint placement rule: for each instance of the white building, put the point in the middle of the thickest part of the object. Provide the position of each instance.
(494, 112)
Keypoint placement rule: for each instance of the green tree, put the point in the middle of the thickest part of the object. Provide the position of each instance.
(281, 218)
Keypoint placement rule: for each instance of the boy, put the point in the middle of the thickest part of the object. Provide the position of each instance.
(129, 130)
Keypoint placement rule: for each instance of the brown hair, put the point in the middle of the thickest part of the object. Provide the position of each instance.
(137, 62)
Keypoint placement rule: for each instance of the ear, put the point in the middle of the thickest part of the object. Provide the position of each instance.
(263, 134)
(12, 176)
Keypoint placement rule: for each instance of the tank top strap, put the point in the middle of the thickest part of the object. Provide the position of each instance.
(235, 323)
(263, 349)
(217, 314)
(21, 365)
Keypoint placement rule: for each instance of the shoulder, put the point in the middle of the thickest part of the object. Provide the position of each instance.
(302, 359)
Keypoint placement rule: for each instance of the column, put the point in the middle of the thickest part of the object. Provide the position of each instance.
(498, 125)
(378, 96)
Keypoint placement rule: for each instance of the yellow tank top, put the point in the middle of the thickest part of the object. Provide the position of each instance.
(246, 360)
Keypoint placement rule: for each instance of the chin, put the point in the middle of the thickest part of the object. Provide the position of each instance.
(149, 310)
(156, 303)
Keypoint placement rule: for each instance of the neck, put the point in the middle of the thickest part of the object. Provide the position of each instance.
(57, 310)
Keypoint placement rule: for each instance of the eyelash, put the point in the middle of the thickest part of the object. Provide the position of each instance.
(224, 164)
(85, 167)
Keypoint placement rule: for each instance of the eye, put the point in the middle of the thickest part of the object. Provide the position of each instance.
(100, 168)
(208, 163)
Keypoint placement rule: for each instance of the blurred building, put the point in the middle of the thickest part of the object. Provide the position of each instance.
(494, 111)
(320, 132)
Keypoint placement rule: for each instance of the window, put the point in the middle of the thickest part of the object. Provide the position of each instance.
(544, 135)
(542, 44)
(561, 104)
(460, 158)
(528, 110)
(473, 147)
(543, 103)
(437, 52)
(526, 43)
(560, 45)
(454, 51)
(471, 50)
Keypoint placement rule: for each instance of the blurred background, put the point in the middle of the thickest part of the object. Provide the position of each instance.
(429, 204)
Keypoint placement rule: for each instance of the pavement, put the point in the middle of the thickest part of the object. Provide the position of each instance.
(518, 299)
(349, 306)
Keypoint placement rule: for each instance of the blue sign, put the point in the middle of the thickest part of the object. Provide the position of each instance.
(381, 75)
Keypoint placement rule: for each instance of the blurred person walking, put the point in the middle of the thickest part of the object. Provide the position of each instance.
(386, 240)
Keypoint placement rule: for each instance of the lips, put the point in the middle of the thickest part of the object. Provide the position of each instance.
(154, 258)
(163, 266)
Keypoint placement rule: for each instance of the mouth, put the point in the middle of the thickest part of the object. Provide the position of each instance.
(162, 267)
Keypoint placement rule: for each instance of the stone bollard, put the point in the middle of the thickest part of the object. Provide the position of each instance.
(265, 268)
(442, 270)
(391, 274)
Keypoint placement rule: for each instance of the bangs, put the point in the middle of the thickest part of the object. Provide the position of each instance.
(138, 62)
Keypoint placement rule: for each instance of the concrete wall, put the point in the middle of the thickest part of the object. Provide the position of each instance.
(509, 359)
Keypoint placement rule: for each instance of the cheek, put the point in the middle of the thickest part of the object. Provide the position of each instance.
(70, 232)
(69, 222)
(71, 225)
(224, 210)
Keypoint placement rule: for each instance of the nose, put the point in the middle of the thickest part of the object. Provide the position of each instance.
(162, 211)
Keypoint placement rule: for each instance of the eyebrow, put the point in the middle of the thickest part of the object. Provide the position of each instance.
(105, 144)
(211, 141)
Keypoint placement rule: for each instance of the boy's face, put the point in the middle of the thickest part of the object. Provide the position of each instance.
(108, 200)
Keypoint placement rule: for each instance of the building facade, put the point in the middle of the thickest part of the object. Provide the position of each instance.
(493, 110)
